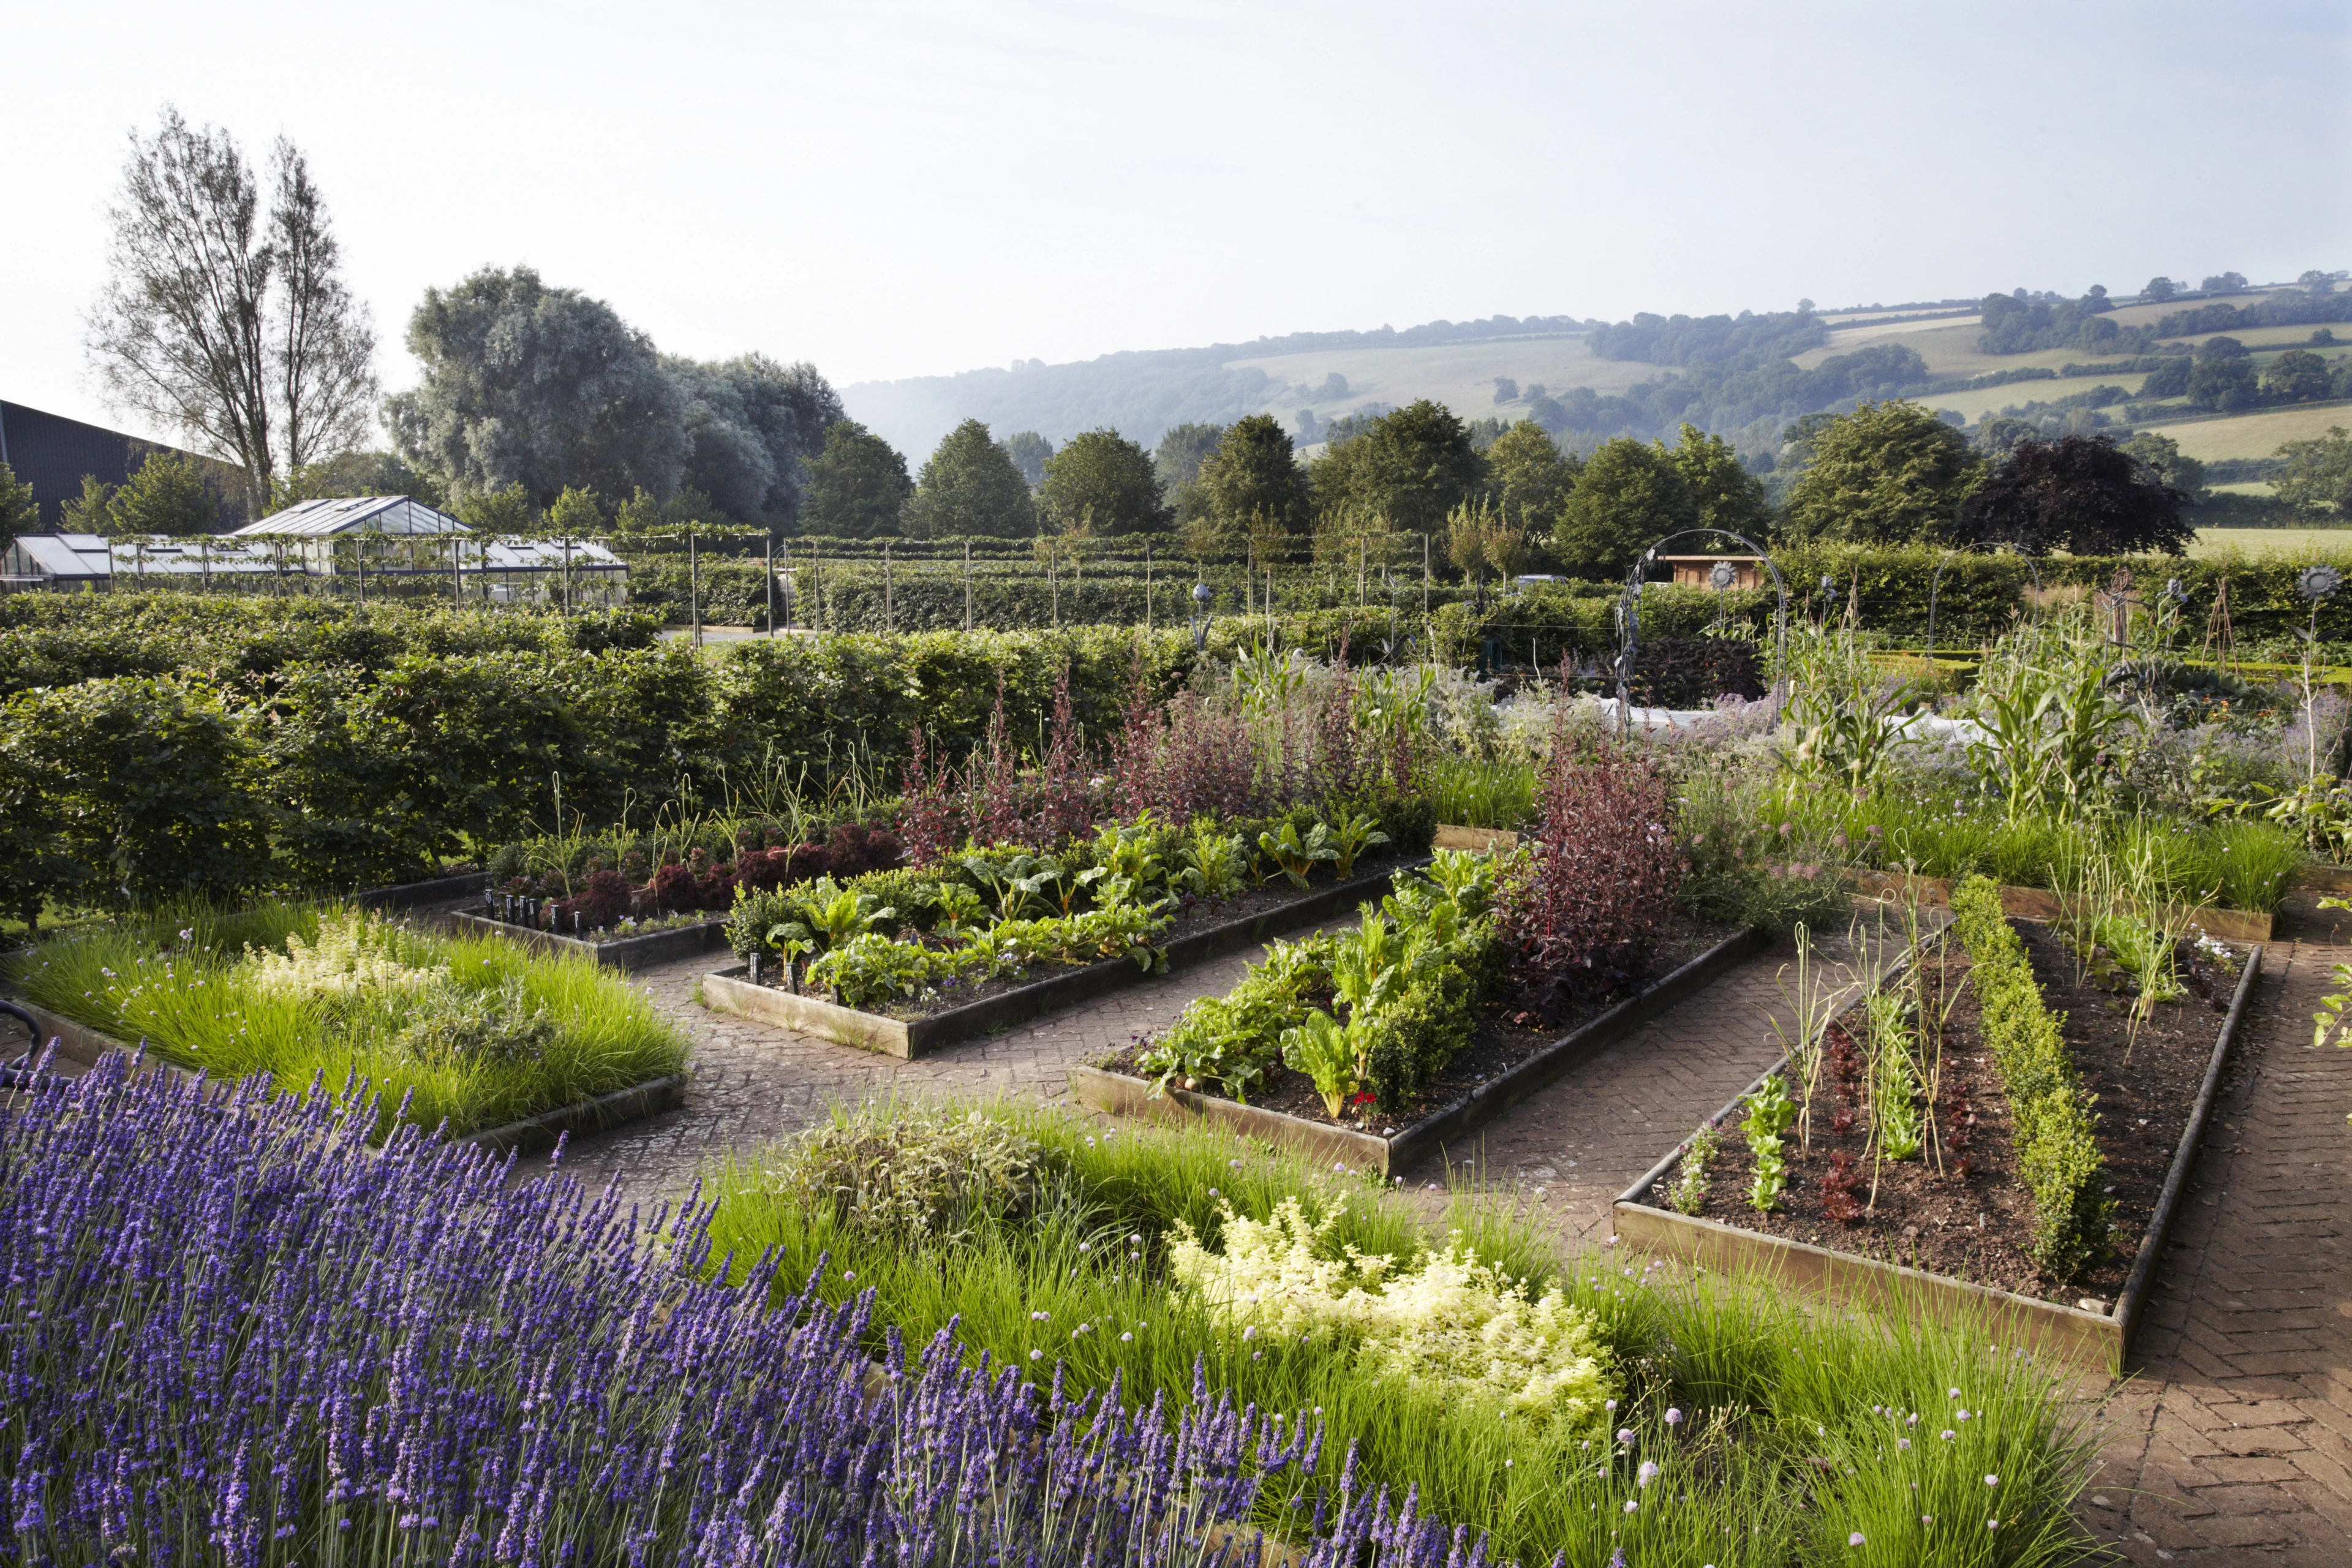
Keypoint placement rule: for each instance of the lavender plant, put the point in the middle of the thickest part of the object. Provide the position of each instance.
(239, 1335)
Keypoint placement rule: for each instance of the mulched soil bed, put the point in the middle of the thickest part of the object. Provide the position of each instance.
(1192, 915)
(1497, 1047)
(1973, 1221)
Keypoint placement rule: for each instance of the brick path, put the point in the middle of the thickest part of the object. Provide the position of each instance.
(2232, 1443)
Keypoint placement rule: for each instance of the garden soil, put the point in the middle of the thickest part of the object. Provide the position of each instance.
(1968, 1214)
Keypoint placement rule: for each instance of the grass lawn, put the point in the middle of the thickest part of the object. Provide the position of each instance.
(2336, 543)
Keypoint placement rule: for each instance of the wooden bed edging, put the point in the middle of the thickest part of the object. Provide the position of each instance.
(86, 1046)
(1482, 840)
(413, 895)
(2042, 904)
(626, 954)
(536, 1134)
(729, 990)
(1121, 1094)
(2098, 1339)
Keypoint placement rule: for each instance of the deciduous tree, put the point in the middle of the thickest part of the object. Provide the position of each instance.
(1723, 492)
(544, 388)
(2297, 375)
(226, 321)
(1104, 482)
(860, 485)
(2079, 493)
(1254, 474)
(170, 494)
(752, 426)
(2315, 476)
(1628, 494)
(1028, 451)
(970, 486)
(1888, 472)
(17, 512)
(1529, 477)
(1411, 466)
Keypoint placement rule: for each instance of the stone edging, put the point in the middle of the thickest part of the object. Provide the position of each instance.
(2091, 1339)
(2042, 904)
(80, 1044)
(627, 953)
(1121, 1094)
(730, 991)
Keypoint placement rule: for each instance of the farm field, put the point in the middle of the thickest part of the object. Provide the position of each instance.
(1982, 401)
(2256, 435)
(2336, 543)
(1460, 375)
(1948, 347)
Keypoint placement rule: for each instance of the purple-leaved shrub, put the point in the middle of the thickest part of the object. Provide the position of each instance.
(1580, 912)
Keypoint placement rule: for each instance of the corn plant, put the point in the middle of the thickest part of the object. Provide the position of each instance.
(1844, 708)
(2051, 724)
(1812, 1004)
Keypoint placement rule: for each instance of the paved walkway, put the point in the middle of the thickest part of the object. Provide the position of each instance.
(2232, 1443)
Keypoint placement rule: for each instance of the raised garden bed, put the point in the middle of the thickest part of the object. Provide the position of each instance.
(418, 895)
(1502, 1066)
(2042, 904)
(625, 953)
(1921, 1247)
(1208, 930)
(86, 1046)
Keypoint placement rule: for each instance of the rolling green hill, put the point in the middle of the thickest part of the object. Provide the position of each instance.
(1330, 374)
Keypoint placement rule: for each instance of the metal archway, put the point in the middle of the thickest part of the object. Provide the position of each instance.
(1629, 618)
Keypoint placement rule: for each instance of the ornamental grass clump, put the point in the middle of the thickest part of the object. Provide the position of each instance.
(240, 1335)
(1748, 1425)
(1444, 1322)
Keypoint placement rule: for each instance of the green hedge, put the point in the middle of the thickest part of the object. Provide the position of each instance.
(2055, 1126)
(1005, 595)
(59, 640)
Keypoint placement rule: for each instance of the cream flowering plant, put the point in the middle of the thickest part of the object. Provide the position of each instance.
(1445, 1321)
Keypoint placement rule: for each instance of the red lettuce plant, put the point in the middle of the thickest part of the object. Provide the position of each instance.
(1580, 913)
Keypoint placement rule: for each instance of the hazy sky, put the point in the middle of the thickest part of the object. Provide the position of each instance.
(900, 190)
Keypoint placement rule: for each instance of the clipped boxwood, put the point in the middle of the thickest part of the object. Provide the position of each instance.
(2057, 1146)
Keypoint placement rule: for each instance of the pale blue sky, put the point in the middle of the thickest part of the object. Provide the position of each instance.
(897, 190)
